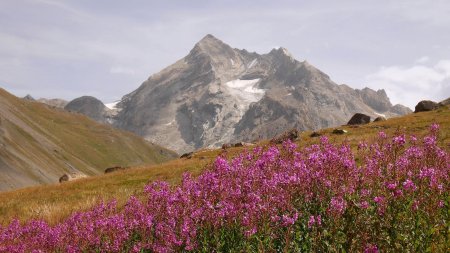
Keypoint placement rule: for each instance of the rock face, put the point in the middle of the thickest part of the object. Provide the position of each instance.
(426, 105)
(218, 94)
(359, 119)
(89, 106)
(29, 98)
(445, 102)
(55, 102)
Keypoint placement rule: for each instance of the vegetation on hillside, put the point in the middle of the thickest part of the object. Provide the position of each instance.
(53, 203)
(40, 143)
(395, 197)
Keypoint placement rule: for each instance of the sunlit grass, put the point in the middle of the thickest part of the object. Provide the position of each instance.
(55, 202)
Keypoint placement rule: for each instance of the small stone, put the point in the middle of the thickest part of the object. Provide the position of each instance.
(187, 155)
(315, 134)
(339, 131)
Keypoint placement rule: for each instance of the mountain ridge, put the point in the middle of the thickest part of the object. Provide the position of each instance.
(218, 94)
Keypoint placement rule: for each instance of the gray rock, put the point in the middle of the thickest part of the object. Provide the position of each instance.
(55, 102)
(218, 94)
(89, 106)
(445, 102)
(187, 155)
(29, 98)
(359, 119)
(426, 105)
(315, 134)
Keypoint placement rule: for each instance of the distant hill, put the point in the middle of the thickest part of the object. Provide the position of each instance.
(89, 106)
(56, 102)
(38, 144)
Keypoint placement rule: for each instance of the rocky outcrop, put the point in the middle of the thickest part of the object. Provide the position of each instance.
(445, 102)
(399, 110)
(89, 106)
(426, 105)
(70, 177)
(291, 135)
(218, 94)
(29, 98)
(359, 119)
(114, 169)
(54, 102)
(187, 155)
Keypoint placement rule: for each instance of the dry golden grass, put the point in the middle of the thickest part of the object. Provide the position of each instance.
(55, 202)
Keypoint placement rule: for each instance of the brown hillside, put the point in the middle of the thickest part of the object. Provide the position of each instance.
(38, 144)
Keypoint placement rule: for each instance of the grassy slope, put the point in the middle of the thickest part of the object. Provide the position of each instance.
(40, 143)
(55, 202)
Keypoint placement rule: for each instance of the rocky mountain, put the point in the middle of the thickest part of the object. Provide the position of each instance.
(55, 102)
(218, 94)
(91, 107)
(38, 144)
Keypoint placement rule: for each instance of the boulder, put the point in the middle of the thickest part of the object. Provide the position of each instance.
(359, 119)
(315, 134)
(238, 144)
(64, 178)
(425, 106)
(187, 155)
(339, 131)
(226, 145)
(380, 118)
(288, 135)
(71, 176)
(113, 169)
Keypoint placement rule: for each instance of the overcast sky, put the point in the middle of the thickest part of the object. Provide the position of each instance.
(107, 48)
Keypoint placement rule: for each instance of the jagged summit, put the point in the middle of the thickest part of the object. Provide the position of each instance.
(218, 94)
(209, 38)
(211, 45)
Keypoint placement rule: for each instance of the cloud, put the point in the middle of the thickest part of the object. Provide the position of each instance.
(422, 60)
(408, 85)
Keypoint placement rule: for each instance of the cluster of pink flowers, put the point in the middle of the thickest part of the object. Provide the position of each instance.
(275, 198)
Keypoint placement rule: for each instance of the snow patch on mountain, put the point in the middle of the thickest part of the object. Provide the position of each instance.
(246, 90)
(252, 63)
(112, 106)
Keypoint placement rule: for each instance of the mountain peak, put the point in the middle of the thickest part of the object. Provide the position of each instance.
(209, 37)
(210, 41)
(211, 46)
